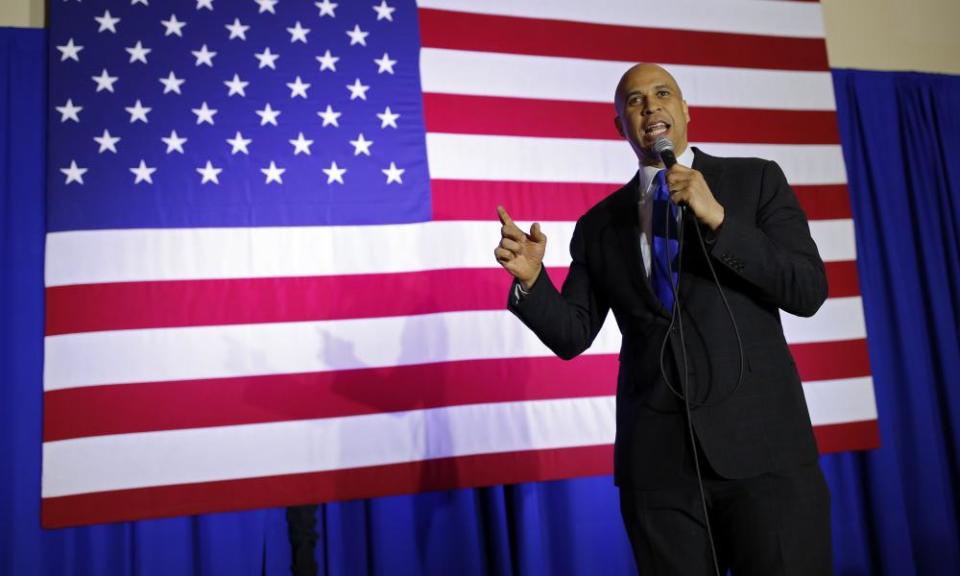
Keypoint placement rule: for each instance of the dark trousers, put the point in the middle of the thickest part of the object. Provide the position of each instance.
(774, 524)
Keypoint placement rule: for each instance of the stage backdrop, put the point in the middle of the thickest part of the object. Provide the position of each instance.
(269, 271)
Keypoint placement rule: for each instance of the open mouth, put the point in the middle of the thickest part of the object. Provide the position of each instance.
(656, 129)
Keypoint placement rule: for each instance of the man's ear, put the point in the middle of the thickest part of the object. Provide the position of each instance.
(686, 111)
(616, 122)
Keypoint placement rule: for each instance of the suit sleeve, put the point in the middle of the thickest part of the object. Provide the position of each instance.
(775, 253)
(566, 321)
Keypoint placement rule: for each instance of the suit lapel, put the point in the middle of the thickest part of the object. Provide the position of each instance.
(626, 219)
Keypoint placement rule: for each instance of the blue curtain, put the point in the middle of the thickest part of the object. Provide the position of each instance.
(894, 509)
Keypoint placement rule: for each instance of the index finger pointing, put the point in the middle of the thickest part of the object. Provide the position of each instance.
(504, 217)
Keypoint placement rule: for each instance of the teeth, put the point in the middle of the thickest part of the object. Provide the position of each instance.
(658, 128)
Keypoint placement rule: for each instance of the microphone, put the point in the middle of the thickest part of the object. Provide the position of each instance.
(663, 147)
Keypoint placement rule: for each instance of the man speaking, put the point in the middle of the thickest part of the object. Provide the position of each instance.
(714, 456)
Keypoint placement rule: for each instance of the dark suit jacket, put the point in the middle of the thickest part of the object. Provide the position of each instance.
(766, 261)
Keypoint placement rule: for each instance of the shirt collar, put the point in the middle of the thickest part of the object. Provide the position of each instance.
(648, 173)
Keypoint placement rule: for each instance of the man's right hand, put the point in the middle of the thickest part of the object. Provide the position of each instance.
(519, 253)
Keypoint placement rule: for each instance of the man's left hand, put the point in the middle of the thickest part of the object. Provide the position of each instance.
(687, 186)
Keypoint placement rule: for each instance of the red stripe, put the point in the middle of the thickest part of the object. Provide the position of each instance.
(848, 436)
(375, 481)
(533, 36)
(116, 409)
(458, 114)
(825, 201)
(831, 360)
(842, 278)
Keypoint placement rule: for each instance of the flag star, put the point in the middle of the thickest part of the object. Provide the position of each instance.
(384, 12)
(104, 81)
(204, 114)
(138, 112)
(393, 173)
(74, 173)
(298, 33)
(204, 56)
(143, 173)
(328, 61)
(237, 30)
(357, 36)
(107, 22)
(208, 4)
(171, 83)
(298, 88)
(329, 116)
(135, 2)
(266, 6)
(326, 8)
(107, 142)
(173, 26)
(209, 173)
(236, 86)
(301, 144)
(268, 115)
(70, 51)
(273, 173)
(174, 142)
(358, 90)
(384, 64)
(266, 58)
(388, 118)
(239, 144)
(361, 145)
(139, 53)
(334, 173)
(69, 112)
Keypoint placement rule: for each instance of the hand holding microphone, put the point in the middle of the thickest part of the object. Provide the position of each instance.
(688, 187)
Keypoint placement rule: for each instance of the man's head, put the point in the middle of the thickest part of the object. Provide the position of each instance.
(650, 105)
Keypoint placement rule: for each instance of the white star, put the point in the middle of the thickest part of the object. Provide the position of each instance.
(268, 115)
(204, 56)
(239, 144)
(326, 8)
(384, 64)
(105, 81)
(138, 52)
(237, 30)
(173, 26)
(143, 173)
(301, 144)
(171, 83)
(361, 145)
(209, 173)
(334, 173)
(107, 142)
(298, 88)
(236, 86)
(298, 33)
(266, 6)
(69, 112)
(134, 2)
(138, 112)
(388, 118)
(208, 4)
(74, 173)
(358, 90)
(204, 114)
(174, 142)
(107, 22)
(329, 116)
(328, 61)
(266, 58)
(273, 173)
(393, 173)
(70, 51)
(384, 12)
(357, 36)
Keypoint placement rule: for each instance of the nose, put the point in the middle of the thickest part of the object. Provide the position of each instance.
(649, 107)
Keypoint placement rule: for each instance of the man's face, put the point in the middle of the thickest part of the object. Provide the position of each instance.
(649, 106)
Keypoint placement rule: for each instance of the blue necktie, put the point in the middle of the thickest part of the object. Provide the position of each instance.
(665, 245)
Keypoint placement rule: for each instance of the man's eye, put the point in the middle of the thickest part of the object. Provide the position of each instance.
(663, 93)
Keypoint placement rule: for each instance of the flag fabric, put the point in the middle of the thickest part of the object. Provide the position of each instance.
(269, 265)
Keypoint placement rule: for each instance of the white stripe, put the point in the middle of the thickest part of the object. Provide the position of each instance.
(138, 460)
(840, 401)
(797, 19)
(198, 352)
(553, 78)
(526, 159)
(136, 255)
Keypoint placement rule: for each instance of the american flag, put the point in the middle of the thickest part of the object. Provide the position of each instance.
(269, 268)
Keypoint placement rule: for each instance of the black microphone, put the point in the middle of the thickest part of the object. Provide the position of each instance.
(664, 149)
